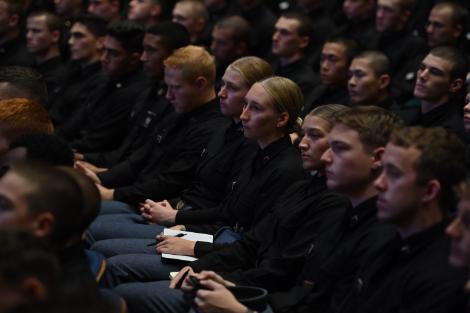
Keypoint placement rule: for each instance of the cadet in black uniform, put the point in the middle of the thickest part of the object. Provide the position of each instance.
(104, 120)
(12, 47)
(42, 39)
(412, 273)
(151, 108)
(292, 39)
(220, 165)
(83, 75)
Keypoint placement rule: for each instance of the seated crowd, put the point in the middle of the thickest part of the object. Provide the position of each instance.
(321, 145)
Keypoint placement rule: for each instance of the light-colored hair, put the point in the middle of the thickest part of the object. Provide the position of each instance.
(328, 112)
(252, 69)
(198, 9)
(373, 124)
(193, 62)
(286, 97)
(442, 157)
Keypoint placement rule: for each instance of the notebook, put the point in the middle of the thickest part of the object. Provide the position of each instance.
(188, 236)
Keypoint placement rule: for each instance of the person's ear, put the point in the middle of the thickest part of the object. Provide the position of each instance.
(456, 85)
(116, 6)
(33, 289)
(384, 81)
(100, 44)
(304, 42)
(458, 29)
(241, 48)
(377, 154)
(14, 20)
(199, 25)
(431, 191)
(282, 119)
(44, 224)
(55, 36)
(156, 10)
(201, 82)
(405, 16)
(135, 58)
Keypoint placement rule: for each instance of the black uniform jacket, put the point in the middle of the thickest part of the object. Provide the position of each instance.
(254, 194)
(220, 165)
(300, 72)
(106, 115)
(448, 115)
(410, 275)
(324, 281)
(14, 52)
(146, 115)
(67, 104)
(270, 254)
(170, 164)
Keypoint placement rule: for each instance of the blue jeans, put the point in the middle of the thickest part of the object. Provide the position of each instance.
(155, 297)
(127, 268)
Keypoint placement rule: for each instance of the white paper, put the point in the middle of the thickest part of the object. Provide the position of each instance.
(188, 235)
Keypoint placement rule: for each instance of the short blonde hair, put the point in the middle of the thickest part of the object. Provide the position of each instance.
(286, 97)
(252, 69)
(192, 61)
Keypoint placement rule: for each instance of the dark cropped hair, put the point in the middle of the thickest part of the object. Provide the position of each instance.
(442, 158)
(26, 82)
(460, 62)
(94, 24)
(240, 27)
(52, 190)
(172, 35)
(306, 27)
(377, 60)
(129, 34)
(352, 47)
(53, 21)
(459, 14)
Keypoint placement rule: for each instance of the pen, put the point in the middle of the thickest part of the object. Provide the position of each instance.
(153, 243)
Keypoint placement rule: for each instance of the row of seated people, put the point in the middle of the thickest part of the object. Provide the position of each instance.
(293, 42)
(179, 155)
(364, 232)
(268, 111)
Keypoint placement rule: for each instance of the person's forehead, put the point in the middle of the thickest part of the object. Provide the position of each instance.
(14, 185)
(443, 14)
(257, 93)
(79, 27)
(363, 64)
(113, 42)
(334, 48)
(37, 19)
(152, 40)
(344, 133)
(402, 157)
(183, 8)
(223, 33)
(290, 24)
(394, 4)
(440, 63)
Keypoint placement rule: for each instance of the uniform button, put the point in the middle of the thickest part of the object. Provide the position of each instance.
(310, 249)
